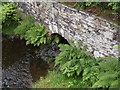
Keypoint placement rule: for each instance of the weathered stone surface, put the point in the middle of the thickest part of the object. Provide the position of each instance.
(98, 34)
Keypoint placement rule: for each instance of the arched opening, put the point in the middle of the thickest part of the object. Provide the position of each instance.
(62, 39)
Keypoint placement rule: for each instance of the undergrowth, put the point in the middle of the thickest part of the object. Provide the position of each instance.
(76, 68)
(83, 71)
(9, 13)
(9, 30)
(15, 22)
(55, 79)
(10, 18)
(24, 26)
(37, 35)
(34, 34)
(114, 6)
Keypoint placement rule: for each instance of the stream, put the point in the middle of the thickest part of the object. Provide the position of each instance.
(24, 64)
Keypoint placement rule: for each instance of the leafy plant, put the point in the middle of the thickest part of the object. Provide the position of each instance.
(102, 72)
(24, 26)
(9, 30)
(117, 47)
(113, 5)
(56, 39)
(72, 59)
(55, 80)
(109, 73)
(33, 34)
(83, 5)
(36, 35)
(9, 13)
(89, 76)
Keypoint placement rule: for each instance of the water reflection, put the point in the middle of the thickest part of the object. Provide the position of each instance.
(17, 59)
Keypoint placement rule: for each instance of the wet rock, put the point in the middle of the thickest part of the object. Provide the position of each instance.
(48, 51)
(13, 76)
(19, 75)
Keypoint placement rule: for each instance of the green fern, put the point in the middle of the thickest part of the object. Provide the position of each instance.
(56, 39)
(108, 73)
(95, 73)
(24, 26)
(9, 13)
(72, 59)
(36, 35)
(115, 84)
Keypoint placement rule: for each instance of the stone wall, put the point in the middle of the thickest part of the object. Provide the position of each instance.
(100, 35)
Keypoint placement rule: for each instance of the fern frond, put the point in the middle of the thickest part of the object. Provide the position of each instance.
(114, 84)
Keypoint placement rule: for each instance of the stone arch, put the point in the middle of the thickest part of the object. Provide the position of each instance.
(97, 33)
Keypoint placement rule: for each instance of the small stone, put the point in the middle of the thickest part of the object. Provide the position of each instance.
(108, 35)
(96, 54)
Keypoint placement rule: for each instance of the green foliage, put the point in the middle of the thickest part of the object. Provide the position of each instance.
(0, 12)
(56, 39)
(33, 34)
(55, 80)
(72, 60)
(109, 72)
(36, 35)
(9, 18)
(9, 30)
(24, 26)
(103, 74)
(83, 5)
(113, 5)
(95, 73)
(117, 47)
(9, 13)
(89, 76)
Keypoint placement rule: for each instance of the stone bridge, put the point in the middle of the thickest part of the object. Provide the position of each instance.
(101, 36)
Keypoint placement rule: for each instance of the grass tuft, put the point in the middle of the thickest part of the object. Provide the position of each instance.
(55, 80)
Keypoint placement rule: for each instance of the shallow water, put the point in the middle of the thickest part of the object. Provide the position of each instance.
(23, 64)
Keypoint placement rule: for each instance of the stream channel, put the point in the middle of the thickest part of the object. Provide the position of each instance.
(23, 64)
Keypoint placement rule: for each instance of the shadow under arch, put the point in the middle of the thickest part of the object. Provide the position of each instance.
(62, 39)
